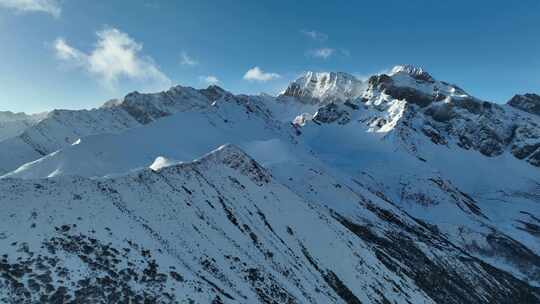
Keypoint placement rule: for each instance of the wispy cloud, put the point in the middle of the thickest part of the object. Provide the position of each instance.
(210, 79)
(317, 36)
(185, 59)
(51, 7)
(323, 53)
(116, 56)
(256, 74)
(66, 52)
(345, 52)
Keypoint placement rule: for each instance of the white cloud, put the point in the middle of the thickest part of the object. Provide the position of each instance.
(317, 36)
(46, 6)
(66, 52)
(256, 74)
(323, 53)
(116, 56)
(185, 59)
(209, 79)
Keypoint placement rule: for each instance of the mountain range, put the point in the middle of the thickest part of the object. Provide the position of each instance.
(400, 188)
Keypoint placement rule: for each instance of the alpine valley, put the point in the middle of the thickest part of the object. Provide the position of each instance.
(396, 189)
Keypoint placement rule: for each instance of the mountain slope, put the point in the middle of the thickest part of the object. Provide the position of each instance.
(61, 128)
(400, 189)
(13, 124)
(182, 136)
(221, 229)
(392, 141)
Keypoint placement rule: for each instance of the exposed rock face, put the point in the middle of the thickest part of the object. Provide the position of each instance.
(528, 103)
(482, 126)
(146, 108)
(414, 85)
(214, 92)
(332, 112)
(411, 95)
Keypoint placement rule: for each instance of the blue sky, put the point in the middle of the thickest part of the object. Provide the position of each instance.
(77, 54)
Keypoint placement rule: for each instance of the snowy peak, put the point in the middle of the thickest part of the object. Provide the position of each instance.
(414, 85)
(314, 87)
(527, 102)
(214, 92)
(235, 158)
(228, 155)
(413, 71)
(414, 106)
(403, 82)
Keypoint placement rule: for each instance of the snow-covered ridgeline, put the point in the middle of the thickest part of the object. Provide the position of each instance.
(399, 154)
(222, 229)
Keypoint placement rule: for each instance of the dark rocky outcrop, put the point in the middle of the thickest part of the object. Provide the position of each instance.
(527, 102)
(141, 108)
(332, 112)
(214, 92)
(384, 83)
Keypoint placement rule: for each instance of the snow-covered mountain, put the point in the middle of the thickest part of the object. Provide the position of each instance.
(409, 103)
(13, 124)
(316, 87)
(61, 128)
(399, 189)
(222, 229)
(182, 137)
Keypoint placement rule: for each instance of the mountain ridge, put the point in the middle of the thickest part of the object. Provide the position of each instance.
(388, 193)
(223, 197)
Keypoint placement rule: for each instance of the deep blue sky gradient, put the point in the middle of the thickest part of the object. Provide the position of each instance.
(489, 48)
